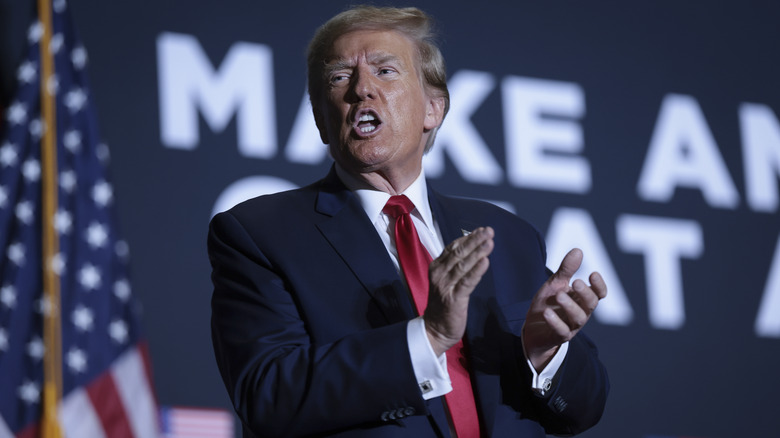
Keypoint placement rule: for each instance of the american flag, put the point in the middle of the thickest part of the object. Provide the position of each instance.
(186, 422)
(103, 388)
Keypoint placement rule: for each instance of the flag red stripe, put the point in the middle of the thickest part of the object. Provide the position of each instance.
(143, 349)
(30, 431)
(109, 407)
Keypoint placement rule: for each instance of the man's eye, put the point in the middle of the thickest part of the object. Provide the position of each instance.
(338, 78)
(384, 71)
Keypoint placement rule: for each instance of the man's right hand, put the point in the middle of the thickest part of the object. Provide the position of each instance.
(453, 277)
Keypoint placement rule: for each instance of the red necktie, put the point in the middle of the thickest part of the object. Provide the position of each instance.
(414, 260)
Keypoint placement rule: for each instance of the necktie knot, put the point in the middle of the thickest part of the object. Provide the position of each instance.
(398, 205)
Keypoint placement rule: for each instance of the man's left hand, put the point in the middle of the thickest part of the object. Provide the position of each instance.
(559, 310)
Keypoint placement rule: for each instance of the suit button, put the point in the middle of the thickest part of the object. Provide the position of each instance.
(560, 404)
(385, 415)
(409, 411)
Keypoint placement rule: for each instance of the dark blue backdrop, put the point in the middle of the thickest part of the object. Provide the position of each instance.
(645, 132)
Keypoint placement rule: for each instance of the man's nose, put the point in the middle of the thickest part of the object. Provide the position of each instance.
(364, 85)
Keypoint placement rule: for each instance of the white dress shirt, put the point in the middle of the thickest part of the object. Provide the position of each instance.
(430, 371)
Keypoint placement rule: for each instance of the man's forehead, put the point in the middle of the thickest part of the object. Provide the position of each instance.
(371, 46)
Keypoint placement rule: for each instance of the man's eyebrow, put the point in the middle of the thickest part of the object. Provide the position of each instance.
(345, 64)
(339, 64)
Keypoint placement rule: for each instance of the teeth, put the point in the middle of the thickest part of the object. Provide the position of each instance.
(366, 118)
(367, 129)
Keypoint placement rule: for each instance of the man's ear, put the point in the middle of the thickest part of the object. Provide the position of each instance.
(319, 120)
(434, 113)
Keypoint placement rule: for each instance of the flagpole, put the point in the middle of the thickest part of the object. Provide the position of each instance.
(52, 387)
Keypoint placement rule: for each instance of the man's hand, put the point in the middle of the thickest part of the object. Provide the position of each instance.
(453, 277)
(558, 310)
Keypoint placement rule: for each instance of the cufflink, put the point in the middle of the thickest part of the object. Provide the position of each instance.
(426, 386)
(465, 232)
(547, 384)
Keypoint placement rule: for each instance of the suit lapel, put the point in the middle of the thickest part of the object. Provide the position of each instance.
(352, 236)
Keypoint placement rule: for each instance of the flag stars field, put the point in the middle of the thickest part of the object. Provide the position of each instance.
(122, 290)
(78, 56)
(37, 128)
(89, 277)
(30, 392)
(3, 339)
(16, 254)
(3, 197)
(16, 114)
(76, 360)
(97, 235)
(55, 45)
(102, 193)
(118, 331)
(72, 141)
(31, 169)
(8, 296)
(68, 181)
(25, 212)
(75, 100)
(83, 318)
(8, 155)
(27, 72)
(35, 32)
(63, 222)
(36, 349)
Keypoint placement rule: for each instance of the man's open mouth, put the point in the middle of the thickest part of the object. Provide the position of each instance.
(367, 123)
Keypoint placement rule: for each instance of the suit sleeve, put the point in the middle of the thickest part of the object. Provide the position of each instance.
(578, 396)
(280, 382)
(576, 401)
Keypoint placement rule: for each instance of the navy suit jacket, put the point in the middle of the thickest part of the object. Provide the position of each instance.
(309, 321)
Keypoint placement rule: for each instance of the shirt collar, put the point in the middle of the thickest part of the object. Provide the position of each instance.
(373, 200)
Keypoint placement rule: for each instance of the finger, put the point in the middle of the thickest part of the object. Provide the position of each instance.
(556, 324)
(470, 242)
(571, 312)
(585, 296)
(461, 255)
(467, 273)
(569, 265)
(467, 283)
(598, 285)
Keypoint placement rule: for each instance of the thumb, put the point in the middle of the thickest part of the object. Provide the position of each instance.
(570, 264)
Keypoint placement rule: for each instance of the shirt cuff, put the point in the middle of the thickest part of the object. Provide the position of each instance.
(542, 382)
(430, 371)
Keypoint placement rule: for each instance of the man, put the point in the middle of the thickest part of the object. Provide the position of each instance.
(317, 291)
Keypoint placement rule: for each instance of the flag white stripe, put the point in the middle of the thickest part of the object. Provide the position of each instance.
(5, 432)
(183, 422)
(211, 427)
(78, 417)
(201, 421)
(130, 378)
(197, 428)
(203, 415)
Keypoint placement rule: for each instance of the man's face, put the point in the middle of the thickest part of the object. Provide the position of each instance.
(375, 112)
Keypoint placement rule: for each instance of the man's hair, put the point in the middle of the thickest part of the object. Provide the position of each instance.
(410, 22)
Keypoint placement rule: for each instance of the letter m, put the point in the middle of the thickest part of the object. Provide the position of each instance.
(243, 85)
